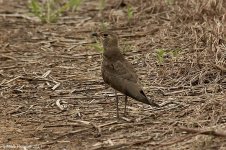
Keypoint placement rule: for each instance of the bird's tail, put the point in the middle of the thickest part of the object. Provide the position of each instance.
(148, 101)
(136, 92)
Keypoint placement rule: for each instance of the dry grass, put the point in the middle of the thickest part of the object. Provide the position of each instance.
(53, 96)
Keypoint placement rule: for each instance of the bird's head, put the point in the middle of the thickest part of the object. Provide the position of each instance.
(108, 39)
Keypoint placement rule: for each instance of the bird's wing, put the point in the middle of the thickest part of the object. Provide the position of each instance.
(124, 70)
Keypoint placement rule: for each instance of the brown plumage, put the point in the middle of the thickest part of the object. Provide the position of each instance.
(119, 73)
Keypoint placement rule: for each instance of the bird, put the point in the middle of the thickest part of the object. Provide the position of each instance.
(119, 73)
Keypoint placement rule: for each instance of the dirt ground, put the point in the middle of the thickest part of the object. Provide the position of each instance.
(53, 97)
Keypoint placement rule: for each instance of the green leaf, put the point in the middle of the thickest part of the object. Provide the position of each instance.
(36, 7)
(160, 55)
(74, 4)
(130, 12)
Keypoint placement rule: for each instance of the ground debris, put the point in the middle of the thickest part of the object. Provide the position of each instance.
(53, 96)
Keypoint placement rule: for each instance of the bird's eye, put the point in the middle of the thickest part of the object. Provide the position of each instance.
(105, 34)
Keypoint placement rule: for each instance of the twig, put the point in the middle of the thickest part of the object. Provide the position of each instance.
(15, 110)
(62, 125)
(85, 129)
(10, 67)
(174, 142)
(31, 106)
(82, 55)
(110, 147)
(120, 145)
(56, 86)
(223, 69)
(19, 16)
(206, 132)
(46, 74)
(8, 57)
(174, 92)
(12, 79)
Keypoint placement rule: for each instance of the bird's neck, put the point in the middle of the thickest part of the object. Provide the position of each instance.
(112, 53)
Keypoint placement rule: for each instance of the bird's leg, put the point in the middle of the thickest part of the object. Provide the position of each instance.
(125, 105)
(116, 96)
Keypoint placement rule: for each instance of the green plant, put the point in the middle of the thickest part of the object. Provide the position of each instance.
(50, 10)
(129, 13)
(74, 4)
(101, 5)
(98, 47)
(160, 55)
(175, 52)
(169, 2)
